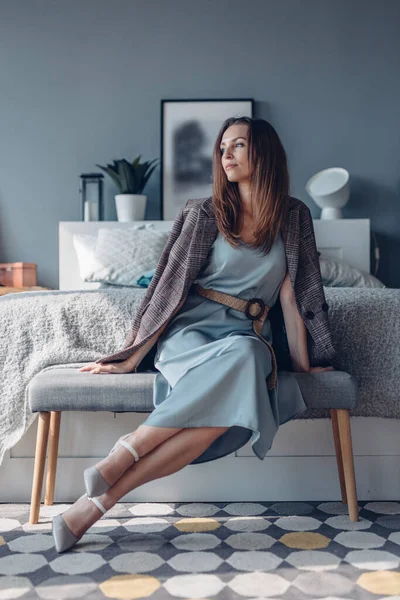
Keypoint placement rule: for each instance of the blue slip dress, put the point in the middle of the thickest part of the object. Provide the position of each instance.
(212, 367)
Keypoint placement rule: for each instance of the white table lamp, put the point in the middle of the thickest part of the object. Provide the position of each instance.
(330, 190)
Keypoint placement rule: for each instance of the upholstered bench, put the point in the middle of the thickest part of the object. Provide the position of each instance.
(59, 389)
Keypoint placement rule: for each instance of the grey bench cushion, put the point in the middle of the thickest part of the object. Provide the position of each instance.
(60, 389)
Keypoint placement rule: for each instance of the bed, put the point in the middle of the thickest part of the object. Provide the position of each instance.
(302, 449)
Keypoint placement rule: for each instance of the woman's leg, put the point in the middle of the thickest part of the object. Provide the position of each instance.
(144, 439)
(168, 457)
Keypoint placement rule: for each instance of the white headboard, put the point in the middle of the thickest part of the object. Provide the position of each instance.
(343, 239)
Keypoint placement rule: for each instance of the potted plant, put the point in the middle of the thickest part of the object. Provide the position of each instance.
(130, 179)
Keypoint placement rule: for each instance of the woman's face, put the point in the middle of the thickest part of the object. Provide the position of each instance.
(234, 151)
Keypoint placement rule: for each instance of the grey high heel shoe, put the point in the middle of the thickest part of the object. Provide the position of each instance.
(95, 483)
(64, 539)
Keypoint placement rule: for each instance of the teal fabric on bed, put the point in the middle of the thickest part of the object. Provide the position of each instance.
(145, 279)
(212, 367)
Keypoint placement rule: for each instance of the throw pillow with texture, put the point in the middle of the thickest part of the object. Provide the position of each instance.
(123, 255)
(335, 273)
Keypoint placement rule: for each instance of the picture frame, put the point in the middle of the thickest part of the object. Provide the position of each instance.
(189, 128)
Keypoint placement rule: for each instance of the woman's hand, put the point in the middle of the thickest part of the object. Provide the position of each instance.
(127, 366)
(319, 369)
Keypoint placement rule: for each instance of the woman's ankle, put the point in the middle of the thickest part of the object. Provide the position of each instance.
(137, 443)
(146, 438)
(107, 500)
(80, 519)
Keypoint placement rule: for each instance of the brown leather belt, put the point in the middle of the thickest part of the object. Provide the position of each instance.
(255, 309)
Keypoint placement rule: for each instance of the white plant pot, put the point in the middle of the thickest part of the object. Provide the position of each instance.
(130, 207)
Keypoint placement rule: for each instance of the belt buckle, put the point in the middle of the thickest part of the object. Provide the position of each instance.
(261, 304)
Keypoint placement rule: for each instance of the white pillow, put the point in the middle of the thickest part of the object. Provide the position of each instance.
(92, 266)
(85, 248)
(119, 256)
(339, 274)
(124, 255)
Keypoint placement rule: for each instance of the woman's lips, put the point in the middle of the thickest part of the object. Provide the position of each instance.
(231, 167)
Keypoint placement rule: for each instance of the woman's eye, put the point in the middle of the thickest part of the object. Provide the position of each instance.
(238, 144)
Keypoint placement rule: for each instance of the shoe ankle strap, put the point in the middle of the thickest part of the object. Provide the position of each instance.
(98, 504)
(130, 448)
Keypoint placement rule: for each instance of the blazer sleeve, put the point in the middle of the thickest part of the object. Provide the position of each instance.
(310, 293)
(176, 229)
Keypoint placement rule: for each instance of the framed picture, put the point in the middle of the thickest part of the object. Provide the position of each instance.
(188, 132)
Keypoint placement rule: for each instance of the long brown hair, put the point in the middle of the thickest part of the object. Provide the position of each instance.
(269, 185)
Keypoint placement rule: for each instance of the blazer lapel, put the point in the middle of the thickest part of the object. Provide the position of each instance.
(205, 232)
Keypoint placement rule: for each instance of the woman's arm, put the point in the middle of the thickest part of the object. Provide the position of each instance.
(133, 361)
(295, 329)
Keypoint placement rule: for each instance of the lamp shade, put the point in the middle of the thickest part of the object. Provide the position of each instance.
(330, 190)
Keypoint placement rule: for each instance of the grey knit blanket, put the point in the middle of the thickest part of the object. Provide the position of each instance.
(40, 329)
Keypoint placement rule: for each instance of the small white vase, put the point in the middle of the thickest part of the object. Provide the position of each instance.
(130, 207)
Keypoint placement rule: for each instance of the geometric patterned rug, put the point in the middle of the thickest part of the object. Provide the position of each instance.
(235, 551)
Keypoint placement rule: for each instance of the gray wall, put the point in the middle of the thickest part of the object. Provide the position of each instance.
(81, 83)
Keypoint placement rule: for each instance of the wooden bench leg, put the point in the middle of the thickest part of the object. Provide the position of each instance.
(338, 450)
(38, 471)
(54, 436)
(348, 462)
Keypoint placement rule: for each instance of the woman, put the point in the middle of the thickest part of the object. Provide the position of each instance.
(216, 385)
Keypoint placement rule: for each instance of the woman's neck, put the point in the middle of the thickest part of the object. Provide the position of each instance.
(244, 195)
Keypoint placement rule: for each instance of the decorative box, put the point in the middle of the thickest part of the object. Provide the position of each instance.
(18, 274)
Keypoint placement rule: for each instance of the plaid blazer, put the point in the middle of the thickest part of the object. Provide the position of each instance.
(188, 245)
